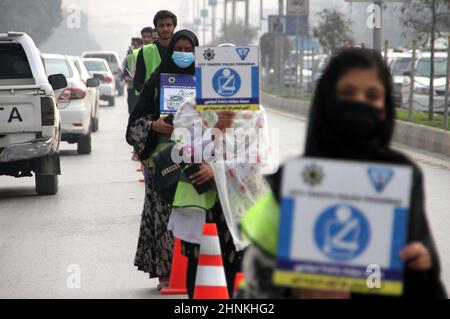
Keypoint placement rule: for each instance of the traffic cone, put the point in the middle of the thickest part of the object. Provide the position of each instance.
(177, 282)
(142, 180)
(210, 282)
(238, 281)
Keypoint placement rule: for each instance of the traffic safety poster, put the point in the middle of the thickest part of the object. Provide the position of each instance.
(227, 78)
(342, 223)
(175, 90)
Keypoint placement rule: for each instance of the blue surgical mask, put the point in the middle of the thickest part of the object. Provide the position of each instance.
(183, 59)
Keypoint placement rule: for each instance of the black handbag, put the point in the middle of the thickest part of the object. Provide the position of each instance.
(167, 173)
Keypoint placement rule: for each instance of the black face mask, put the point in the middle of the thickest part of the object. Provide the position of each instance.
(355, 122)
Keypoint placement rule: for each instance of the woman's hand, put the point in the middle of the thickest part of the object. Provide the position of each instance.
(225, 120)
(203, 175)
(162, 127)
(416, 256)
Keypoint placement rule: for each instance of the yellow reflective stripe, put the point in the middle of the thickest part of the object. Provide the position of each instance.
(327, 282)
(226, 107)
(260, 224)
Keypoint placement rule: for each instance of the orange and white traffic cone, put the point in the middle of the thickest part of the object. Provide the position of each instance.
(177, 282)
(210, 282)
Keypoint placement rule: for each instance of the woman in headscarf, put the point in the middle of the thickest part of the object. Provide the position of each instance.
(352, 118)
(148, 133)
(234, 166)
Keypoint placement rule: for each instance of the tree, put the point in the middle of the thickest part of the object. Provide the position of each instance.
(333, 30)
(35, 17)
(423, 18)
(267, 46)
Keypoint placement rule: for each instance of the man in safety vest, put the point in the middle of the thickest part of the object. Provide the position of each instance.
(150, 56)
(129, 71)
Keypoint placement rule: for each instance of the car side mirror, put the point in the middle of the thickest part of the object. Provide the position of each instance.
(57, 81)
(93, 83)
(99, 76)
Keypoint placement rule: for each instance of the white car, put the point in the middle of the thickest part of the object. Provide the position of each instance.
(422, 82)
(400, 64)
(114, 63)
(76, 102)
(99, 68)
(95, 95)
(30, 128)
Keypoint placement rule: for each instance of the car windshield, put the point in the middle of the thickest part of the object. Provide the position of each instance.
(424, 65)
(401, 65)
(58, 66)
(13, 62)
(110, 58)
(93, 66)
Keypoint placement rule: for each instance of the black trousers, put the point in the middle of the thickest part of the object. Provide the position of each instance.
(132, 99)
(232, 259)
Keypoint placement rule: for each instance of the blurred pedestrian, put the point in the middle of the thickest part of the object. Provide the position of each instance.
(352, 118)
(129, 69)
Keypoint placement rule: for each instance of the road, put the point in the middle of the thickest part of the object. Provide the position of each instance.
(93, 222)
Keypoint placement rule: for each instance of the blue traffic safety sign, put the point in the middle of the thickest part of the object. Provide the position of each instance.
(226, 82)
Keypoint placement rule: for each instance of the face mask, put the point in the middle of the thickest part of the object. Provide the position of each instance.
(183, 59)
(355, 121)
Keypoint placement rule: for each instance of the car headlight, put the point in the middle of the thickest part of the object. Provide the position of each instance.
(422, 90)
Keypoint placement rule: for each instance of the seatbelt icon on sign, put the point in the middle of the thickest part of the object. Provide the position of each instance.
(342, 232)
(226, 82)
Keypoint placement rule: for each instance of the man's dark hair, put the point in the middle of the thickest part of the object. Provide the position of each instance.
(138, 41)
(147, 30)
(164, 14)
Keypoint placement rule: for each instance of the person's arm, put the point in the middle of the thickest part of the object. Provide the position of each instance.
(139, 77)
(425, 283)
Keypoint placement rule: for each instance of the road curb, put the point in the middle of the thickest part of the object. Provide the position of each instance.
(422, 137)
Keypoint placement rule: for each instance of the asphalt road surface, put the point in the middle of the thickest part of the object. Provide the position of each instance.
(89, 230)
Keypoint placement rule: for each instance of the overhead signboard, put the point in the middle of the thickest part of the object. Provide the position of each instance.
(288, 25)
(298, 7)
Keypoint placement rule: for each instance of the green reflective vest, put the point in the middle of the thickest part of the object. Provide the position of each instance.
(260, 224)
(187, 197)
(152, 60)
(131, 63)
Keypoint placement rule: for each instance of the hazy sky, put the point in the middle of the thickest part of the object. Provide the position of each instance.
(114, 22)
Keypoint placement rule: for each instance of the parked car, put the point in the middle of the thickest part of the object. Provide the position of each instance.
(76, 102)
(95, 95)
(400, 64)
(422, 82)
(99, 68)
(30, 125)
(114, 64)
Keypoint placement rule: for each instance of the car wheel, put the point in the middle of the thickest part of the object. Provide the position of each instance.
(46, 184)
(111, 101)
(94, 127)
(84, 145)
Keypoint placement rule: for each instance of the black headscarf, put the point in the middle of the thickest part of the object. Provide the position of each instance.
(325, 141)
(148, 102)
(323, 138)
(149, 99)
